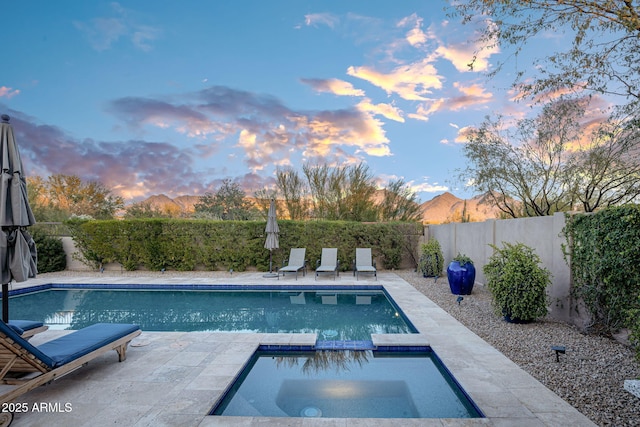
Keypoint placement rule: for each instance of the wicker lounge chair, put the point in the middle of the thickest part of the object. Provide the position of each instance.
(328, 263)
(364, 263)
(296, 262)
(26, 367)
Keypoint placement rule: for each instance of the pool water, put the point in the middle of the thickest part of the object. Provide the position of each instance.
(333, 315)
(346, 384)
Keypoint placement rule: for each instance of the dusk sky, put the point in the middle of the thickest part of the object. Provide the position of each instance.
(152, 97)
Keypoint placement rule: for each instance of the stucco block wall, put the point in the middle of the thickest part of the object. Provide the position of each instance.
(543, 234)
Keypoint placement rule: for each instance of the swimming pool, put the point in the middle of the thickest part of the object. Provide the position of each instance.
(346, 384)
(334, 314)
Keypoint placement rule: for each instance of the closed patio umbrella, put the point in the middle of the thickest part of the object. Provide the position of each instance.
(18, 258)
(272, 231)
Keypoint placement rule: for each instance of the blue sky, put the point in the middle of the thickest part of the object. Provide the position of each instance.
(169, 97)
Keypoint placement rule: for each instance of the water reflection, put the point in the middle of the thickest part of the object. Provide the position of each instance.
(325, 360)
(333, 315)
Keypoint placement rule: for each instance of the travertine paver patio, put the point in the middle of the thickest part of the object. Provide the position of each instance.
(174, 378)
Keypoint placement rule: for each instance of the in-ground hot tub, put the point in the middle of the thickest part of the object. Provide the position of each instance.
(347, 384)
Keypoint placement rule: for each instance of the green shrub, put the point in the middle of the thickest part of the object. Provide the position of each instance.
(431, 260)
(462, 259)
(184, 245)
(517, 282)
(633, 319)
(604, 249)
(51, 255)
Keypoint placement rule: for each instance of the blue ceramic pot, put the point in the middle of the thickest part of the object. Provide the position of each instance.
(461, 278)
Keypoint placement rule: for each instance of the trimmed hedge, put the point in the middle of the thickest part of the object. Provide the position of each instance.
(184, 245)
(51, 255)
(605, 264)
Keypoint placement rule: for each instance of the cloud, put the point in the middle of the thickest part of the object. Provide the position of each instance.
(8, 92)
(325, 131)
(472, 95)
(136, 111)
(415, 36)
(144, 34)
(463, 55)
(463, 134)
(409, 81)
(316, 19)
(103, 32)
(426, 187)
(265, 130)
(388, 111)
(132, 168)
(462, 51)
(334, 86)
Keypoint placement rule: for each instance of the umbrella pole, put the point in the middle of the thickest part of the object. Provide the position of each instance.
(5, 302)
(270, 273)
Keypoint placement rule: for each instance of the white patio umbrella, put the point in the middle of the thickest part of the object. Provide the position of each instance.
(18, 257)
(272, 230)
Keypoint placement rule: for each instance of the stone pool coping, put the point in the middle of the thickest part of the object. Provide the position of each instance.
(174, 378)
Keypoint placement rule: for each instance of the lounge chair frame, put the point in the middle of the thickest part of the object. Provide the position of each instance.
(364, 263)
(29, 327)
(24, 369)
(328, 263)
(295, 263)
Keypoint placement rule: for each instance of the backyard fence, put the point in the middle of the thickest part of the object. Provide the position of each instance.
(543, 234)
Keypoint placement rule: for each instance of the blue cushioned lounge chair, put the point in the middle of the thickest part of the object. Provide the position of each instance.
(27, 328)
(26, 366)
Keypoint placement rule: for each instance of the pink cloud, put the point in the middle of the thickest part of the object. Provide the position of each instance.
(334, 86)
(8, 92)
(411, 81)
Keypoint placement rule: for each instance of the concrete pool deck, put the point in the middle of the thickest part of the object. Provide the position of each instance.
(174, 378)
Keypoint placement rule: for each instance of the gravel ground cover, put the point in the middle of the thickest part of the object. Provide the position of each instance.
(590, 375)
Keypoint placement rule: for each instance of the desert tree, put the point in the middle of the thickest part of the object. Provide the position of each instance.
(399, 203)
(605, 171)
(602, 52)
(294, 191)
(557, 161)
(319, 184)
(263, 198)
(148, 210)
(228, 203)
(61, 196)
(341, 192)
(522, 167)
(359, 199)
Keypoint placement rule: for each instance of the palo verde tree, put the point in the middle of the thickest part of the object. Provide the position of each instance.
(554, 162)
(294, 191)
(605, 172)
(342, 192)
(521, 168)
(61, 196)
(263, 199)
(601, 53)
(399, 203)
(228, 203)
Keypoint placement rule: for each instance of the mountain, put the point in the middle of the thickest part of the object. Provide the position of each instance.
(448, 208)
(442, 208)
(179, 205)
